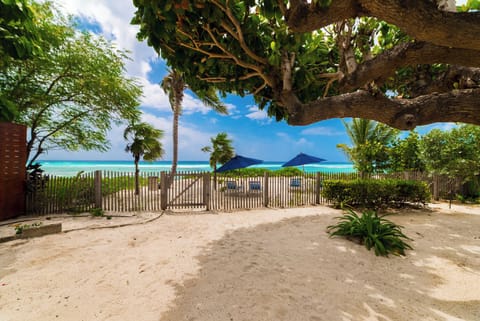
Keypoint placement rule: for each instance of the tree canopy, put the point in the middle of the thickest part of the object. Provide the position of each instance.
(70, 92)
(370, 144)
(453, 153)
(402, 63)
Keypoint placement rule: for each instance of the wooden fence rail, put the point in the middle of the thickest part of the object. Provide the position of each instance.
(114, 191)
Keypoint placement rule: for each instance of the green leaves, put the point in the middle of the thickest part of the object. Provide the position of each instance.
(453, 153)
(72, 90)
(375, 193)
(374, 231)
(220, 151)
(370, 141)
(144, 141)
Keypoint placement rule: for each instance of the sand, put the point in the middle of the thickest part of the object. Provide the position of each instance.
(272, 264)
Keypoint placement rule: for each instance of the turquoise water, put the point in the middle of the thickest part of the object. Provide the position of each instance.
(71, 168)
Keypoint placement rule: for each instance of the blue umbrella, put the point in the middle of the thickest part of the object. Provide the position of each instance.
(238, 162)
(302, 159)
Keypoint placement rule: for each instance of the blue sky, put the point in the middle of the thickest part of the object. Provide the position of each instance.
(253, 133)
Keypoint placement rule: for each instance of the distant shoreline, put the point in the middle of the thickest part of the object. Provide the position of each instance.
(72, 167)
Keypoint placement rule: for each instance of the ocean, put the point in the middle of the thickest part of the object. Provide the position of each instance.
(71, 168)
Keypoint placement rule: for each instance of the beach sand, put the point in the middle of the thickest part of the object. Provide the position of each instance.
(271, 264)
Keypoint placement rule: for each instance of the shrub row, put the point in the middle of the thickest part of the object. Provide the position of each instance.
(259, 172)
(372, 193)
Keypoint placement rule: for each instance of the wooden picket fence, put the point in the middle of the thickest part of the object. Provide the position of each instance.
(115, 192)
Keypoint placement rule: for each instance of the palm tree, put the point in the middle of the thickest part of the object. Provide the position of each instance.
(369, 142)
(174, 85)
(145, 142)
(220, 152)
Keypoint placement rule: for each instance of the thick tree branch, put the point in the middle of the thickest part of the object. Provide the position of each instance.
(237, 33)
(405, 114)
(422, 20)
(380, 68)
(227, 55)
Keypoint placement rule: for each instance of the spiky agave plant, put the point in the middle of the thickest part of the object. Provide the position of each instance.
(371, 230)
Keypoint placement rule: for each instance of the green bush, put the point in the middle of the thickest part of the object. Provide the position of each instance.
(259, 172)
(373, 231)
(373, 193)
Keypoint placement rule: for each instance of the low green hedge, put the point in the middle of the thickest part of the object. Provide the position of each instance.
(259, 172)
(371, 193)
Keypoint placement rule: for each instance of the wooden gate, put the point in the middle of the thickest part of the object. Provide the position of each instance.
(188, 190)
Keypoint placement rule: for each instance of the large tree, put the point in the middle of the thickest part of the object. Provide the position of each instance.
(454, 153)
(403, 63)
(370, 142)
(144, 142)
(405, 155)
(221, 151)
(71, 92)
(174, 86)
(18, 40)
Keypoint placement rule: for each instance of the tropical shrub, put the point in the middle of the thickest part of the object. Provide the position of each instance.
(259, 172)
(373, 193)
(373, 231)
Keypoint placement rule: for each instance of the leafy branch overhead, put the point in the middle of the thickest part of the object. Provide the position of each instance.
(401, 63)
(71, 91)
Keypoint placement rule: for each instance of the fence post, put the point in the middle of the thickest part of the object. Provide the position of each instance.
(206, 190)
(98, 189)
(435, 187)
(318, 185)
(163, 190)
(265, 190)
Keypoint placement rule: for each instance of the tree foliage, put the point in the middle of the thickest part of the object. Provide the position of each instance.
(221, 151)
(370, 141)
(306, 61)
(18, 33)
(453, 153)
(405, 155)
(144, 143)
(18, 40)
(174, 86)
(69, 94)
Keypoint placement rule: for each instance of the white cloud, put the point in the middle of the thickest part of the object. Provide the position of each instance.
(190, 139)
(442, 126)
(299, 144)
(321, 131)
(257, 114)
(114, 18)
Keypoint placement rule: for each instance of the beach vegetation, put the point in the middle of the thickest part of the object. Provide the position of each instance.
(72, 90)
(454, 153)
(173, 84)
(260, 172)
(371, 230)
(405, 154)
(221, 151)
(370, 142)
(308, 61)
(375, 193)
(144, 142)
(19, 40)
(19, 228)
(97, 212)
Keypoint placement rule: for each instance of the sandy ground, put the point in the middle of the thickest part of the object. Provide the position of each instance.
(249, 265)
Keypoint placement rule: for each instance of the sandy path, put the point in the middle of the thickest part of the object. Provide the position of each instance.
(252, 265)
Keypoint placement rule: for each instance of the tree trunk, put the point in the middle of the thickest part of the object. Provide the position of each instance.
(137, 171)
(175, 146)
(215, 177)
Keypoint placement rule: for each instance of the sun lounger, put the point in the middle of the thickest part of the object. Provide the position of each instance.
(233, 187)
(254, 187)
(296, 183)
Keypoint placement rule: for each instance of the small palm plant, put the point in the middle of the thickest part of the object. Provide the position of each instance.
(371, 230)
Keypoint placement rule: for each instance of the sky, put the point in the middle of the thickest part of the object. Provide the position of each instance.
(253, 133)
